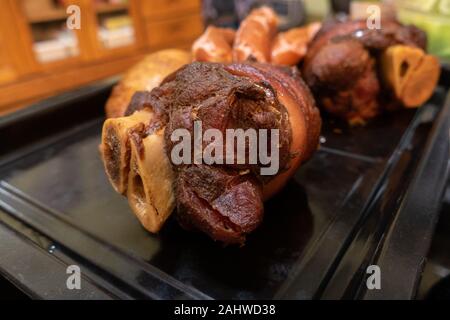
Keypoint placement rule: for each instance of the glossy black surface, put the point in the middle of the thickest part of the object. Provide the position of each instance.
(57, 186)
(69, 179)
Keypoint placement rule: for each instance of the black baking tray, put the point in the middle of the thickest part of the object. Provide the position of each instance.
(370, 195)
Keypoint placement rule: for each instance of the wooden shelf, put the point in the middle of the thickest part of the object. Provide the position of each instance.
(48, 16)
(157, 24)
(108, 8)
(60, 14)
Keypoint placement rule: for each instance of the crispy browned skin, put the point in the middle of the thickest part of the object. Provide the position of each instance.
(226, 201)
(341, 65)
(304, 116)
(214, 45)
(255, 40)
(254, 37)
(289, 47)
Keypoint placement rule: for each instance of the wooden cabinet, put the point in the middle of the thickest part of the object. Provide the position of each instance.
(7, 73)
(164, 32)
(161, 9)
(167, 21)
(7, 70)
(27, 75)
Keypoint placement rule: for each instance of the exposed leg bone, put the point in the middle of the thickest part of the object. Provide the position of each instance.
(115, 146)
(420, 85)
(150, 185)
(410, 73)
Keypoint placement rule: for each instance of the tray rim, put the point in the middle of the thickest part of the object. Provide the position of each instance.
(59, 102)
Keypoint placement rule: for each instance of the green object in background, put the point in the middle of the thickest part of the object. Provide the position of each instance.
(430, 6)
(317, 9)
(444, 7)
(433, 16)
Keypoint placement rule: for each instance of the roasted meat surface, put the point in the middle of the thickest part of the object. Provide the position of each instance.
(226, 200)
(214, 45)
(257, 39)
(254, 36)
(342, 65)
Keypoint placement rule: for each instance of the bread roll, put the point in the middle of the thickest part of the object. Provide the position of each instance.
(144, 76)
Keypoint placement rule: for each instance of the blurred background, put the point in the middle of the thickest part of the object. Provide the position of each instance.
(40, 56)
